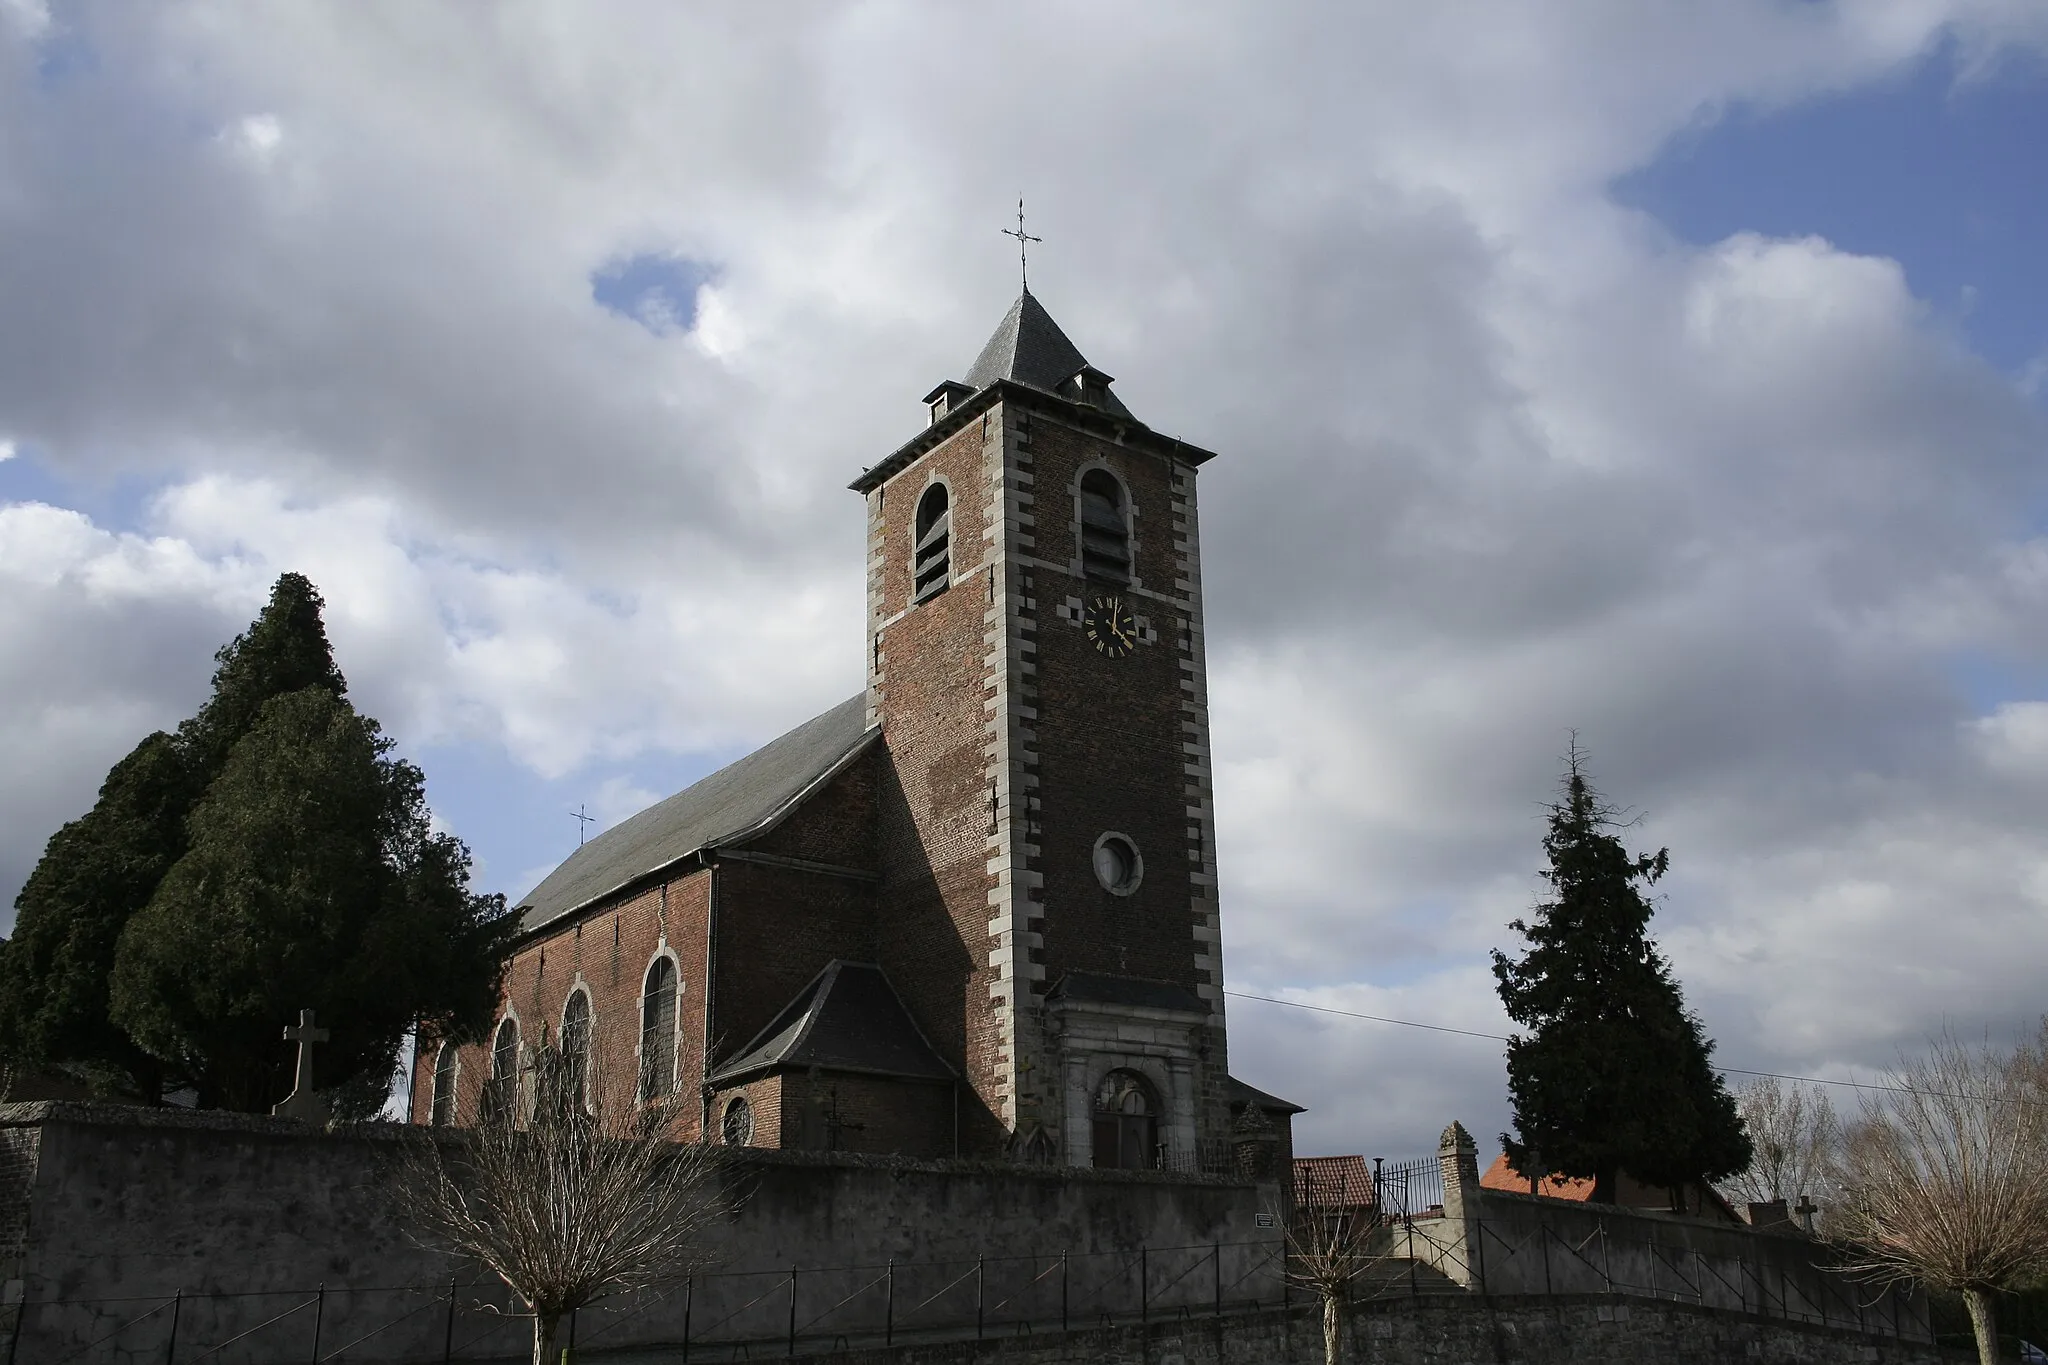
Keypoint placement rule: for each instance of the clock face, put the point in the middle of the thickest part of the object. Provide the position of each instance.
(1107, 620)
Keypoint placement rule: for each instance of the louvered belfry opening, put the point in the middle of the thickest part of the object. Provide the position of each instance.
(933, 559)
(1105, 531)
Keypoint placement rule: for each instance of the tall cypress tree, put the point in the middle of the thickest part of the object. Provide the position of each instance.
(99, 871)
(271, 856)
(1614, 1073)
(312, 882)
(96, 872)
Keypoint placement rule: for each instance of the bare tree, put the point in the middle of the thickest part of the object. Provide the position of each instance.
(1330, 1248)
(1945, 1179)
(578, 1194)
(1795, 1139)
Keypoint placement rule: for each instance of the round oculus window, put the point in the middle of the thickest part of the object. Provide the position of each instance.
(1117, 864)
(739, 1124)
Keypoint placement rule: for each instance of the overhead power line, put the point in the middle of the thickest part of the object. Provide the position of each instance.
(1502, 1038)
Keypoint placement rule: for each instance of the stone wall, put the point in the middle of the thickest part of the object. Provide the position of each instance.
(144, 1204)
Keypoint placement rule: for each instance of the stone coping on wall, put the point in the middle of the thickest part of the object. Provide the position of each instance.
(103, 1114)
(1540, 1203)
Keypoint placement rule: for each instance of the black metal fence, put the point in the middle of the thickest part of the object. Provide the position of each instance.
(1408, 1189)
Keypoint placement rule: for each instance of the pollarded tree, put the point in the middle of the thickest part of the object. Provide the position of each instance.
(1945, 1177)
(585, 1194)
(99, 871)
(311, 881)
(1613, 1074)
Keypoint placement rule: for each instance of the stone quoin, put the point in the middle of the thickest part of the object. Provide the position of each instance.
(971, 911)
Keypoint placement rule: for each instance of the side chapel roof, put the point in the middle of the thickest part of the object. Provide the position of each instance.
(848, 1019)
(739, 800)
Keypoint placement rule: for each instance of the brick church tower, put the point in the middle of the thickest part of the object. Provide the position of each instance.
(971, 911)
(1036, 668)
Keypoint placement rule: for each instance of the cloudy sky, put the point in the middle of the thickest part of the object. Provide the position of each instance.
(1674, 373)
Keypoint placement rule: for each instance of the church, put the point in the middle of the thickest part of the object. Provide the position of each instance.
(972, 910)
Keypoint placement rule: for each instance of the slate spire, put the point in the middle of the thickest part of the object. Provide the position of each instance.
(1029, 348)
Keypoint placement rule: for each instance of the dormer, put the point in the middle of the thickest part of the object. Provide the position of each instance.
(1087, 385)
(946, 397)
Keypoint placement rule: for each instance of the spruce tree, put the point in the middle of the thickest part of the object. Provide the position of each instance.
(1613, 1073)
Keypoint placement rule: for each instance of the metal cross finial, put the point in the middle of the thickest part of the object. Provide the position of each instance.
(1023, 272)
(584, 820)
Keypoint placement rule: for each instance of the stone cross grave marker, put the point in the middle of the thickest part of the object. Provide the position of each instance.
(302, 1103)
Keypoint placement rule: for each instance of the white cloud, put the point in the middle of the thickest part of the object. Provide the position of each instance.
(1499, 457)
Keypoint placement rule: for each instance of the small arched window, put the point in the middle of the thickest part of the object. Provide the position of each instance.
(576, 1049)
(658, 1031)
(1105, 530)
(441, 1112)
(738, 1128)
(1126, 1122)
(501, 1091)
(932, 559)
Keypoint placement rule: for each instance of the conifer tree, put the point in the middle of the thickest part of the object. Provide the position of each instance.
(101, 869)
(1613, 1073)
(268, 857)
(312, 881)
(97, 871)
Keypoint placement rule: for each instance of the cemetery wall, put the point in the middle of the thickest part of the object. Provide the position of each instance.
(145, 1203)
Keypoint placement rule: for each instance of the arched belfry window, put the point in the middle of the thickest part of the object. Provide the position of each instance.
(932, 559)
(1105, 529)
(501, 1091)
(1126, 1122)
(576, 1048)
(442, 1111)
(658, 1031)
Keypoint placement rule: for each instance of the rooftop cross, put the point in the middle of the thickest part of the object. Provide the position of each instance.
(302, 1103)
(584, 820)
(1023, 272)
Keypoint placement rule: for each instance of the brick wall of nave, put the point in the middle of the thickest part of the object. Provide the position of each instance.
(607, 953)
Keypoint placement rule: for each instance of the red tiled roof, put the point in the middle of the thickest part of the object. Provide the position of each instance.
(1501, 1176)
(1332, 1182)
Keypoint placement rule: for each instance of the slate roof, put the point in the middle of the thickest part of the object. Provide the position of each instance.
(1127, 990)
(848, 1019)
(1029, 348)
(1236, 1092)
(740, 799)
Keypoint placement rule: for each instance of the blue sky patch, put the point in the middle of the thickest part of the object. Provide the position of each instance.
(520, 824)
(119, 502)
(1939, 172)
(658, 292)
